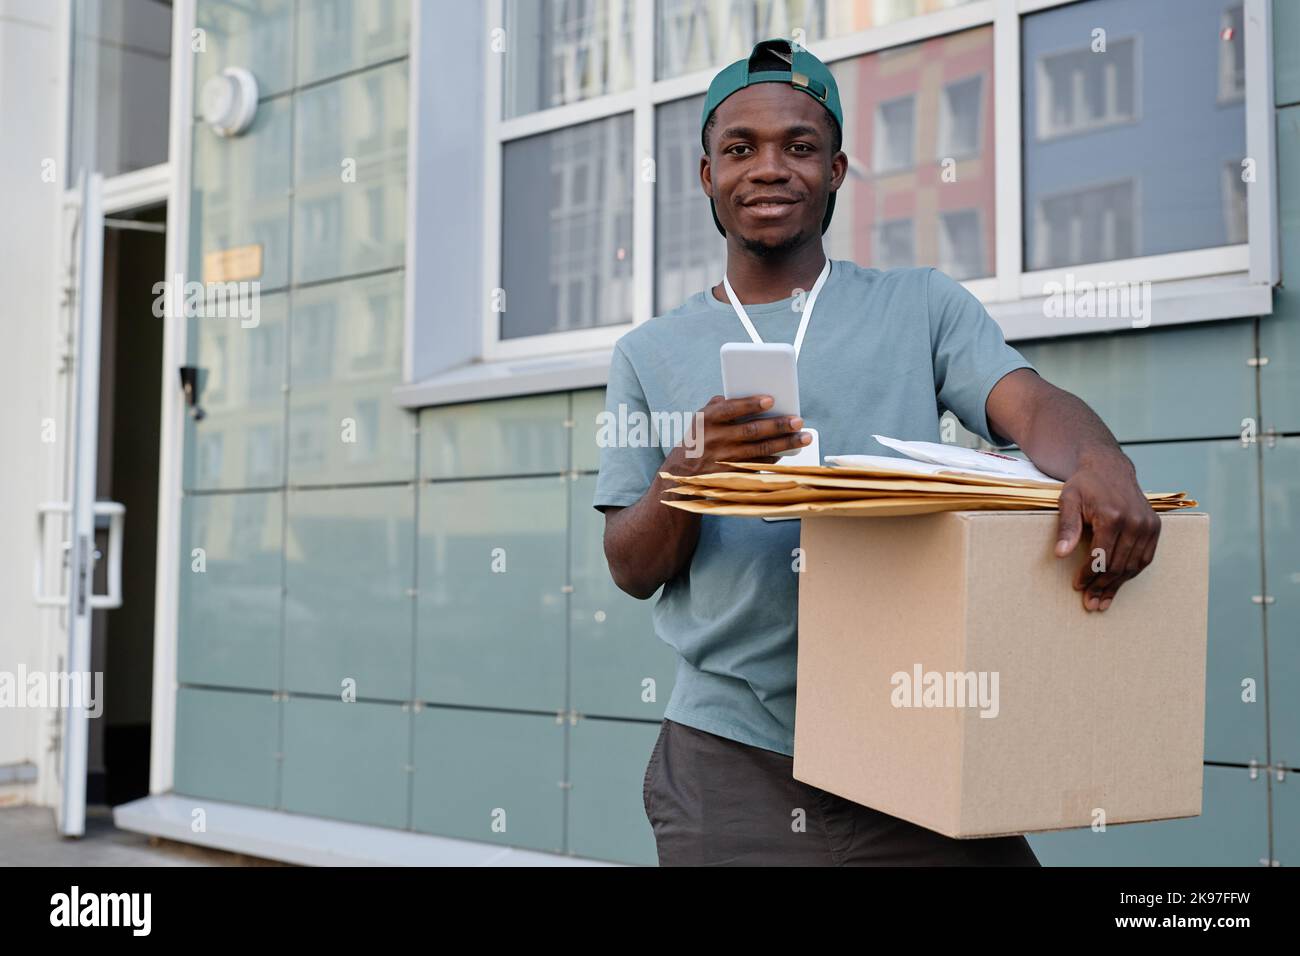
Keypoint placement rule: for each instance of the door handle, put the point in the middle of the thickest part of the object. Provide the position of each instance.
(115, 512)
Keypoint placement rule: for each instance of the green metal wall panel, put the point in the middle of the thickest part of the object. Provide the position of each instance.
(607, 764)
(349, 179)
(347, 761)
(340, 36)
(1282, 554)
(239, 441)
(1232, 830)
(1187, 382)
(1224, 477)
(490, 776)
(231, 598)
(492, 602)
(618, 666)
(344, 426)
(349, 571)
(508, 436)
(240, 194)
(254, 34)
(225, 746)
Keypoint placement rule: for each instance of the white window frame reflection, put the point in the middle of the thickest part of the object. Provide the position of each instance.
(886, 140)
(1045, 127)
(948, 121)
(1012, 293)
(1081, 192)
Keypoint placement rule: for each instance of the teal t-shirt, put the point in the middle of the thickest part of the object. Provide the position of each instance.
(885, 353)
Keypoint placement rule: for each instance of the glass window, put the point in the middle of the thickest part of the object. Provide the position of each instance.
(918, 131)
(120, 87)
(563, 51)
(895, 245)
(1131, 136)
(959, 119)
(1093, 224)
(960, 250)
(696, 35)
(1234, 203)
(1232, 54)
(690, 253)
(895, 134)
(1085, 89)
(566, 229)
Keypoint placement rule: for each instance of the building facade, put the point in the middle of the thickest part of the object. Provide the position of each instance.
(382, 625)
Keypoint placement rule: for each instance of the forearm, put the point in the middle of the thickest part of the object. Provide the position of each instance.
(1061, 434)
(648, 543)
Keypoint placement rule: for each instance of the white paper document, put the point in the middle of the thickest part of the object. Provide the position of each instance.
(932, 458)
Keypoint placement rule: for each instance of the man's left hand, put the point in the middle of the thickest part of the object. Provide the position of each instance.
(1104, 495)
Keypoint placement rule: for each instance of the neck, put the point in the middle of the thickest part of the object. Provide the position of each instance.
(770, 278)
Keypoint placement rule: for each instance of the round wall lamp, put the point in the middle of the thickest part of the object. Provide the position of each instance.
(230, 101)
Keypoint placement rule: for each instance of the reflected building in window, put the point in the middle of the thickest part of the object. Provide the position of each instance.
(566, 244)
(919, 137)
(1134, 137)
(693, 35)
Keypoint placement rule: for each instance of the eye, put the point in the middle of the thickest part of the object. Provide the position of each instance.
(732, 149)
(804, 147)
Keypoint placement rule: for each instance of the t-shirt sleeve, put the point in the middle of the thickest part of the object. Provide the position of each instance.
(969, 351)
(626, 469)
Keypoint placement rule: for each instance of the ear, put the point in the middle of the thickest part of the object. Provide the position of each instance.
(839, 169)
(706, 175)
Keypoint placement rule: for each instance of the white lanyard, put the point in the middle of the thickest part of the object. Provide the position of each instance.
(803, 322)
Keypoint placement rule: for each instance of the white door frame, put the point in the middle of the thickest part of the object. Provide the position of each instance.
(168, 183)
(162, 732)
(88, 316)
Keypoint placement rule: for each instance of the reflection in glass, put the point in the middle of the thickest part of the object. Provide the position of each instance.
(1093, 224)
(350, 175)
(690, 253)
(563, 51)
(1084, 89)
(346, 356)
(566, 246)
(335, 36)
(238, 443)
(696, 35)
(120, 86)
(918, 131)
(1134, 149)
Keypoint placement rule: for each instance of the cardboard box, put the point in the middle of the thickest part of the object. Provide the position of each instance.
(1089, 713)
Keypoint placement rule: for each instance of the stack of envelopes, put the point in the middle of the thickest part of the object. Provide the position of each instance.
(877, 490)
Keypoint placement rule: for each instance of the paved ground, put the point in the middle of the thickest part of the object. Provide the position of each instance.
(28, 838)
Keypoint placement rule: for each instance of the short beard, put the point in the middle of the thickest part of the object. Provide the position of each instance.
(767, 250)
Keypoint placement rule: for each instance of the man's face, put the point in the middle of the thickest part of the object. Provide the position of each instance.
(770, 169)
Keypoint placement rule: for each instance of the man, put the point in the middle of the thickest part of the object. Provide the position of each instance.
(885, 353)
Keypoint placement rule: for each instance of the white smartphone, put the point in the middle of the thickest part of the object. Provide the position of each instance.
(768, 368)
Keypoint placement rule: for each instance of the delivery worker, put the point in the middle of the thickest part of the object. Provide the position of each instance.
(884, 353)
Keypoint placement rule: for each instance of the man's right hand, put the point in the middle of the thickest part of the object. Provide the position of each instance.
(721, 437)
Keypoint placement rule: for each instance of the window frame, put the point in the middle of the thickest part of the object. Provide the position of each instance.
(1013, 293)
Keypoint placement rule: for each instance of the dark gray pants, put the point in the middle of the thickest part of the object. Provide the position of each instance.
(717, 802)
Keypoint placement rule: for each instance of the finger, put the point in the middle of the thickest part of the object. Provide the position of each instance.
(1105, 533)
(772, 446)
(1126, 544)
(1070, 527)
(729, 409)
(1120, 566)
(1153, 540)
(1107, 595)
(757, 429)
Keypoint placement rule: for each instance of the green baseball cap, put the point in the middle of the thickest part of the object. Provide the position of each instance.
(776, 61)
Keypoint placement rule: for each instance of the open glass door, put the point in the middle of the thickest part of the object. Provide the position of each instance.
(72, 587)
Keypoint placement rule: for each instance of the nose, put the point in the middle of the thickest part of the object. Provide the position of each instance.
(769, 166)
